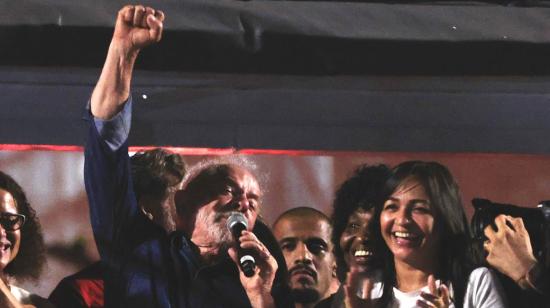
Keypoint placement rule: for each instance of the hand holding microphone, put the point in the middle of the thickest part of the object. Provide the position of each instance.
(257, 265)
(237, 223)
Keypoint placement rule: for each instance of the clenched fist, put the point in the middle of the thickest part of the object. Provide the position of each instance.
(137, 27)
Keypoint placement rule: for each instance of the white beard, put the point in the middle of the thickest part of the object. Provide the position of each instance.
(218, 235)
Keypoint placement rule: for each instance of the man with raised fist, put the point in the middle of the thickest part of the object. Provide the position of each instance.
(195, 266)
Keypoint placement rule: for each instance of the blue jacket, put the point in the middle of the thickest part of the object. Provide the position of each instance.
(145, 267)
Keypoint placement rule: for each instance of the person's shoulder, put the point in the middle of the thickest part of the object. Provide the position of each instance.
(40, 302)
(484, 289)
(483, 277)
(480, 271)
(28, 298)
(482, 274)
(20, 294)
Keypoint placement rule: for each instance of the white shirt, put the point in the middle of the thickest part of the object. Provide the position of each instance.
(483, 291)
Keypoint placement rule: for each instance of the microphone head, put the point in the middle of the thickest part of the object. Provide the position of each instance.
(236, 223)
(237, 220)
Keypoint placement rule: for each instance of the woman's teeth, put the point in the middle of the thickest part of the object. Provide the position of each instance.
(362, 253)
(403, 234)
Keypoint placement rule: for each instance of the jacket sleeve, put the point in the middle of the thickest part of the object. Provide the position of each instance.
(107, 178)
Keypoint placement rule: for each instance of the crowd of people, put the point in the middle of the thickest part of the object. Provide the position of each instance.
(396, 237)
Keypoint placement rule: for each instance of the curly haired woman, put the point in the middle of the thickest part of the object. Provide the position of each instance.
(22, 253)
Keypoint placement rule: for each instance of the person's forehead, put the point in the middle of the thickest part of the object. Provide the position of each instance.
(7, 202)
(303, 228)
(243, 178)
(361, 213)
(410, 186)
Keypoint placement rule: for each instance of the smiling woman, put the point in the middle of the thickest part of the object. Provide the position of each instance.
(353, 209)
(21, 245)
(430, 261)
(352, 214)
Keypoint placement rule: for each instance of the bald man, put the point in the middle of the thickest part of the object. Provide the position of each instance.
(304, 236)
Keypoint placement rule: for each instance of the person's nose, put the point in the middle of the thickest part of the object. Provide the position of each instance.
(3, 231)
(242, 202)
(303, 254)
(363, 233)
(402, 217)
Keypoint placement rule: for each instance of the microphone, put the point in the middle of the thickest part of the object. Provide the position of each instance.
(236, 223)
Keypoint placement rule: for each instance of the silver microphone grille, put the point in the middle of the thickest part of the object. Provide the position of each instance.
(235, 218)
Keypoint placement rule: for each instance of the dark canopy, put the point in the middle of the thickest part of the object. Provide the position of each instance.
(432, 76)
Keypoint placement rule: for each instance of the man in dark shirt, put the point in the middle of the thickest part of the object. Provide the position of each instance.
(156, 175)
(304, 236)
(194, 266)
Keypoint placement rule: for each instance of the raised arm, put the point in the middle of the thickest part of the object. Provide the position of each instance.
(106, 170)
(136, 27)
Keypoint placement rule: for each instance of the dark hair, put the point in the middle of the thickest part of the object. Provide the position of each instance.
(455, 249)
(154, 171)
(31, 256)
(363, 189)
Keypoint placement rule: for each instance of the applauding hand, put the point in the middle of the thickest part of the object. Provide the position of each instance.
(437, 297)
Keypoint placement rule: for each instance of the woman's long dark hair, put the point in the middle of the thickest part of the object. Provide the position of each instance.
(455, 249)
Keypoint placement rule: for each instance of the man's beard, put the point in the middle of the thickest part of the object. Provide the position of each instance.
(219, 236)
(305, 296)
